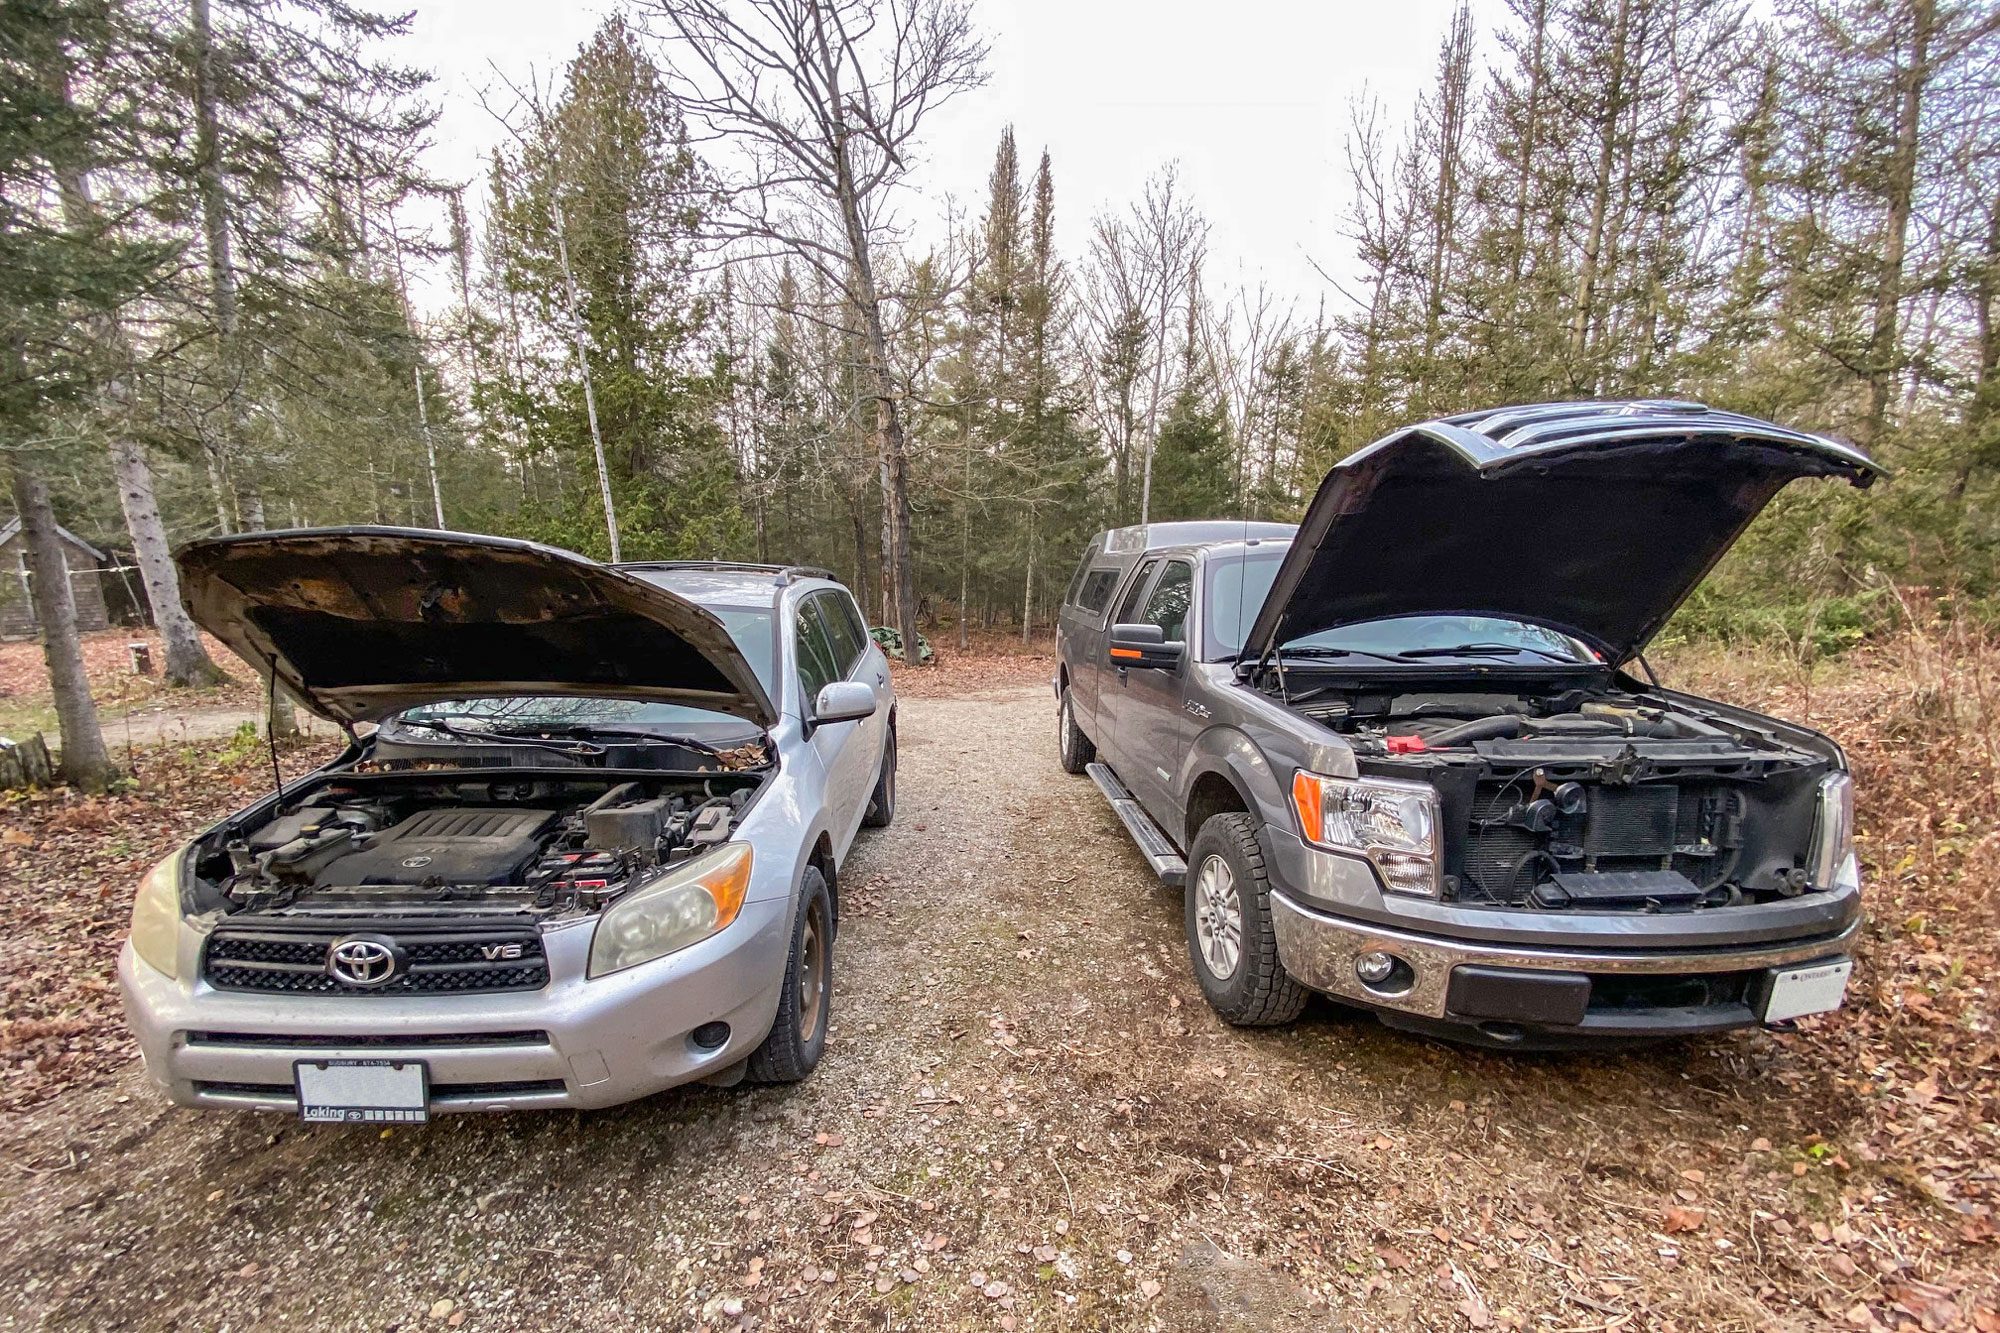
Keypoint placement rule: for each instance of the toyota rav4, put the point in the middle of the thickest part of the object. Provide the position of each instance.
(585, 843)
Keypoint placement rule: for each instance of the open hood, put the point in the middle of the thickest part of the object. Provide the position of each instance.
(361, 623)
(1596, 519)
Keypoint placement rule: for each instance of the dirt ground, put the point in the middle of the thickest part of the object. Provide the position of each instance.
(1026, 1119)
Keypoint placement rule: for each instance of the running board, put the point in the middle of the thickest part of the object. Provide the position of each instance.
(1153, 844)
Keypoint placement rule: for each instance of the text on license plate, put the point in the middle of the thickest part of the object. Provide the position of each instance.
(363, 1091)
(1813, 988)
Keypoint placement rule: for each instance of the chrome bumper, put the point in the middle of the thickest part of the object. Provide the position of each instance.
(1319, 949)
(575, 1043)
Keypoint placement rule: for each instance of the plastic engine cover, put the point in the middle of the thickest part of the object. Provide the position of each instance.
(452, 846)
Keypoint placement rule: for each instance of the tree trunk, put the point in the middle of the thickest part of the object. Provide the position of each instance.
(188, 662)
(225, 465)
(1600, 198)
(417, 375)
(85, 763)
(1530, 146)
(1884, 354)
(899, 582)
(1028, 594)
(589, 393)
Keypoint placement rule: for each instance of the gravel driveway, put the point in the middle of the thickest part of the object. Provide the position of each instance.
(1025, 1119)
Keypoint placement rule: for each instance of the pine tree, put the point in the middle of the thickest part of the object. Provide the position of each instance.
(597, 228)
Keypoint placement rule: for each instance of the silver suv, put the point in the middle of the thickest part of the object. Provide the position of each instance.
(585, 843)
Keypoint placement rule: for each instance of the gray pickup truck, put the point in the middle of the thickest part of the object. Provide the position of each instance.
(1409, 754)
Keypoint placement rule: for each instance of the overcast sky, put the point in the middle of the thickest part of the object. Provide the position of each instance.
(1250, 96)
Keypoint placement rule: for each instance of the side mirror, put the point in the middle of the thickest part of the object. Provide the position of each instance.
(843, 701)
(1144, 645)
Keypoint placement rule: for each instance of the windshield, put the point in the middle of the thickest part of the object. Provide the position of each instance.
(749, 627)
(1236, 588)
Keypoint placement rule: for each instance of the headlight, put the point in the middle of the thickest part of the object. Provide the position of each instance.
(156, 915)
(1393, 824)
(1834, 864)
(685, 906)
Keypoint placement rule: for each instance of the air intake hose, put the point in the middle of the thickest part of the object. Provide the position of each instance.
(1507, 728)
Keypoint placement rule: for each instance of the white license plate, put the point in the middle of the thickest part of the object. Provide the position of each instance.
(1812, 989)
(359, 1092)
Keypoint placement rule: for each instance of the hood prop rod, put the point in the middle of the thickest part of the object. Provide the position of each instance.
(270, 732)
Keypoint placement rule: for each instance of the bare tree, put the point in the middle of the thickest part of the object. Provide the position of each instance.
(821, 101)
(84, 760)
(1155, 251)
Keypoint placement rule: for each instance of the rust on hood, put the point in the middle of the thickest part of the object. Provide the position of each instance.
(361, 623)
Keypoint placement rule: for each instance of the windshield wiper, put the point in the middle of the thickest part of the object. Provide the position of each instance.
(583, 729)
(1486, 650)
(1324, 650)
(573, 748)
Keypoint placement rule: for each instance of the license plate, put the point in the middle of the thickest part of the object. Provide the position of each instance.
(1812, 989)
(360, 1092)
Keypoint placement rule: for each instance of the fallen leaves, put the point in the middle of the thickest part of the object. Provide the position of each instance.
(1678, 1219)
(68, 866)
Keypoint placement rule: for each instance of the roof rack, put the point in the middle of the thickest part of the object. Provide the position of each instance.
(786, 572)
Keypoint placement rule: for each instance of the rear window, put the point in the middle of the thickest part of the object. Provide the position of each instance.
(1094, 589)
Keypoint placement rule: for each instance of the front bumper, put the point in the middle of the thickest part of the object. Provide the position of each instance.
(1512, 993)
(575, 1043)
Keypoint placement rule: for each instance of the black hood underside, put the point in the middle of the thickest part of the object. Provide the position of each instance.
(1595, 519)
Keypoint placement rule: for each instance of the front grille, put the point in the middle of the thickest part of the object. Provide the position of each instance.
(455, 960)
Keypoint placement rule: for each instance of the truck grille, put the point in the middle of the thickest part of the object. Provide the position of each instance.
(454, 960)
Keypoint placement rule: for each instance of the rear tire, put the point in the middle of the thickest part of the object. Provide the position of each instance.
(1231, 943)
(1077, 750)
(798, 1034)
(882, 801)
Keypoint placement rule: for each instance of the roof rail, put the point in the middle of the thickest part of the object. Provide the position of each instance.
(787, 572)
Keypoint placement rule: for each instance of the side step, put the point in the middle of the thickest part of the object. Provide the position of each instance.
(1153, 844)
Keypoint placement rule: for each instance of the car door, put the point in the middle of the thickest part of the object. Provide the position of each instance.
(1081, 625)
(1113, 679)
(1153, 731)
(843, 747)
(865, 663)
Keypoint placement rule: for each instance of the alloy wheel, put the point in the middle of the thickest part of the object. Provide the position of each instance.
(1218, 918)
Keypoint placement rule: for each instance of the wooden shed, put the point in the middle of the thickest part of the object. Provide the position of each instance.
(17, 608)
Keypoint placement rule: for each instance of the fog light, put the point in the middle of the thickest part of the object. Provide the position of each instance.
(710, 1036)
(1374, 967)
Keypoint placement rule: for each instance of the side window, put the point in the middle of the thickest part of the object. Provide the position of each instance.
(817, 667)
(1097, 586)
(1074, 597)
(843, 629)
(1128, 610)
(1168, 606)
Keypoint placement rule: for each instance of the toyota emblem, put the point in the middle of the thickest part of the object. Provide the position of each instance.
(364, 960)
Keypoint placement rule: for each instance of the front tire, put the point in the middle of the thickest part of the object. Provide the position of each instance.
(1231, 943)
(882, 801)
(1077, 750)
(798, 1034)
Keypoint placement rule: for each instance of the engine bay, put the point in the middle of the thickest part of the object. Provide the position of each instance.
(1593, 798)
(400, 846)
